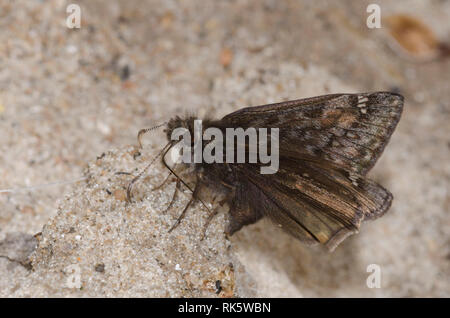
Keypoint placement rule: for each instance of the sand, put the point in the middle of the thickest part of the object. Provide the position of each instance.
(73, 100)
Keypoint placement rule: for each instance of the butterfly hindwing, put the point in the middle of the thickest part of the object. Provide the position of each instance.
(315, 204)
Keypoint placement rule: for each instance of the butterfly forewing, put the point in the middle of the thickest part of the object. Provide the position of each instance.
(349, 130)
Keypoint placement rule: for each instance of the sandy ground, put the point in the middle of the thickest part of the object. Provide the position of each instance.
(69, 95)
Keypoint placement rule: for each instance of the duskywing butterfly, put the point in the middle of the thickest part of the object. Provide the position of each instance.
(320, 192)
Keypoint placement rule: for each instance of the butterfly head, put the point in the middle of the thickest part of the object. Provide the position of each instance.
(179, 122)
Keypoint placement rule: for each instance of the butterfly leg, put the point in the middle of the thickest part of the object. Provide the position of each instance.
(162, 184)
(208, 221)
(177, 187)
(182, 215)
(213, 214)
(165, 180)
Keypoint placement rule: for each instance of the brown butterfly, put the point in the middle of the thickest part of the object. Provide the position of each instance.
(327, 144)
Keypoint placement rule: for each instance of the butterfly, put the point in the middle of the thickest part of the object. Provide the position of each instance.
(326, 144)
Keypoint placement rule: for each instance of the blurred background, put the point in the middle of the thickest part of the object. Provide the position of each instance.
(69, 94)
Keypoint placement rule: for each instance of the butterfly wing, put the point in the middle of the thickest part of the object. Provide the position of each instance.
(348, 130)
(312, 202)
(326, 146)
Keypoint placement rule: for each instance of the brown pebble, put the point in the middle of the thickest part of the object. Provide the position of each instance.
(226, 56)
(100, 267)
(28, 210)
(416, 38)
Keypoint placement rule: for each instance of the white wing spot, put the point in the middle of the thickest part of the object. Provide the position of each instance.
(362, 100)
(353, 179)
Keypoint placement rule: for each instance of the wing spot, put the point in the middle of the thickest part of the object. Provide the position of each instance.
(354, 179)
(362, 100)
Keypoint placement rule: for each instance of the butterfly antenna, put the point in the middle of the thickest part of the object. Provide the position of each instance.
(130, 185)
(146, 130)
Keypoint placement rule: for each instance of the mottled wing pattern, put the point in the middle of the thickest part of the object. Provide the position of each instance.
(327, 144)
(349, 130)
(312, 202)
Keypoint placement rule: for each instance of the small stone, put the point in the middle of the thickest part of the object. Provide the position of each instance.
(226, 56)
(100, 267)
